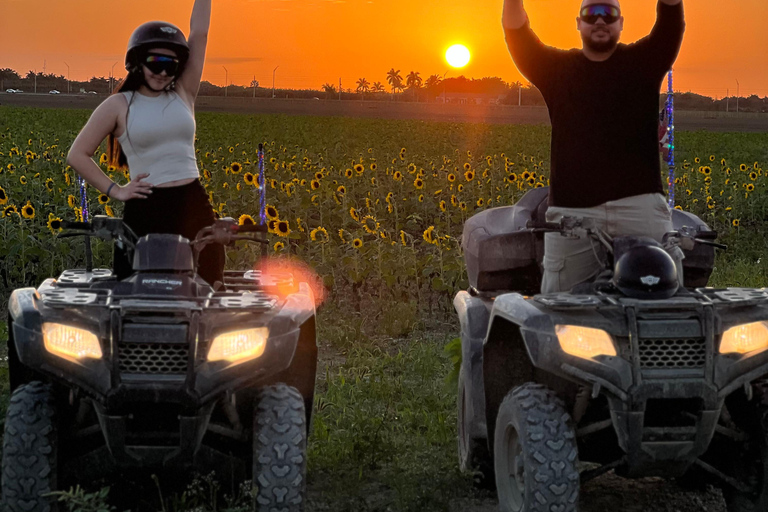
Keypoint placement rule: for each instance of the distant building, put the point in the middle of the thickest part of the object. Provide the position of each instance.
(470, 98)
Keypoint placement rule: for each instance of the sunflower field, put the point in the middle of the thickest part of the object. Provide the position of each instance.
(375, 207)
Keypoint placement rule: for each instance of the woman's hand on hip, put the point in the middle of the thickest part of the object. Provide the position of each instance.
(136, 189)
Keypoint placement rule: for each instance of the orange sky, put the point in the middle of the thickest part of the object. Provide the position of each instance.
(318, 41)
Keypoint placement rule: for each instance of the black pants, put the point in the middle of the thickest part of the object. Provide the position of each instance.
(184, 211)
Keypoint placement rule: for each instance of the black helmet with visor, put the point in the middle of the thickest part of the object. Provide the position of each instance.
(157, 34)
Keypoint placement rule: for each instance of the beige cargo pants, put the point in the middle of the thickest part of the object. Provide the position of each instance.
(568, 262)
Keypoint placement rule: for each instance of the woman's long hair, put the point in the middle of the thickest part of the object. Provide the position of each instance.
(115, 155)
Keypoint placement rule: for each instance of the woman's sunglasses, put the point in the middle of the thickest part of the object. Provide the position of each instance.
(157, 63)
(609, 13)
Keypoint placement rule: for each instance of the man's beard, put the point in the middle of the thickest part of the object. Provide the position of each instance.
(600, 46)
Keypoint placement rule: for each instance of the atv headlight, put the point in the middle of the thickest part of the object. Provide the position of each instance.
(745, 338)
(239, 346)
(71, 342)
(584, 342)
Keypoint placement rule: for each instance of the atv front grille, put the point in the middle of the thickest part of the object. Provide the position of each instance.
(153, 358)
(673, 353)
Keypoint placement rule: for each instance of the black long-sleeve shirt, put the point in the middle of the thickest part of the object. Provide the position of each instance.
(604, 114)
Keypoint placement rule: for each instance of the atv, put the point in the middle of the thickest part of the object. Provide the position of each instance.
(557, 389)
(160, 371)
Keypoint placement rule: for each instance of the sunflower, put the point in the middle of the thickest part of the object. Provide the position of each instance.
(418, 183)
(248, 178)
(9, 210)
(743, 167)
(697, 160)
(23, 180)
(402, 238)
(397, 176)
(454, 201)
(357, 243)
(756, 166)
(421, 198)
(272, 225)
(108, 211)
(374, 166)
(711, 158)
(103, 159)
(460, 188)
(411, 168)
(540, 185)
(469, 175)
(28, 211)
(319, 234)
(736, 223)
(373, 181)
(103, 198)
(279, 246)
(282, 228)
(442, 206)
(706, 171)
(11, 167)
(272, 213)
(511, 177)
(753, 175)
(49, 184)
(480, 202)
(3, 196)
(54, 223)
(246, 220)
(427, 235)
(341, 190)
(231, 149)
(353, 213)
(370, 224)
(359, 168)
(750, 187)
(451, 177)
(273, 183)
(463, 205)
(349, 173)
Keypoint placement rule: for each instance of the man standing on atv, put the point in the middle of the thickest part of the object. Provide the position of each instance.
(603, 104)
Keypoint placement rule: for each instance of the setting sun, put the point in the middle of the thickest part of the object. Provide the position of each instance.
(457, 56)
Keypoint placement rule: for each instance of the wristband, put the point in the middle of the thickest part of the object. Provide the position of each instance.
(110, 188)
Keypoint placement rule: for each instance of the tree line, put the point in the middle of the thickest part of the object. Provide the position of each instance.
(411, 87)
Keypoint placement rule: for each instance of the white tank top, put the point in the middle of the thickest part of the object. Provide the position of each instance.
(160, 138)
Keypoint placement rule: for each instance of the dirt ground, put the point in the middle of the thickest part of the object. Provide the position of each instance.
(611, 493)
(495, 114)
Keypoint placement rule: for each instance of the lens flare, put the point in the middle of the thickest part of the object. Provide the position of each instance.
(282, 277)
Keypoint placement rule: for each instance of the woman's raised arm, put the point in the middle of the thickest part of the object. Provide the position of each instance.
(198, 41)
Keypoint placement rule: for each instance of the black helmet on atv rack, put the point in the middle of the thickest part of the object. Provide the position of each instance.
(646, 272)
(156, 34)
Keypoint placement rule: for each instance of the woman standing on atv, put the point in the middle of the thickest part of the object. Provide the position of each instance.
(150, 126)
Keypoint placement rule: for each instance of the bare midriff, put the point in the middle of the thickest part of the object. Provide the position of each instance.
(177, 183)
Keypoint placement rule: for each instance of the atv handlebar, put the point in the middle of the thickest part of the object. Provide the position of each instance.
(576, 227)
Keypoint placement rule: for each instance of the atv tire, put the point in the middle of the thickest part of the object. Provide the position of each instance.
(30, 450)
(751, 466)
(473, 453)
(279, 449)
(535, 454)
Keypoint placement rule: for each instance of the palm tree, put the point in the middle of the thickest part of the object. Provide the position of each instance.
(413, 81)
(363, 86)
(329, 90)
(395, 80)
(432, 81)
(377, 87)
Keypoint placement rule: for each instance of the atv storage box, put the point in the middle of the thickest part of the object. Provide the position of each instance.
(502, 254)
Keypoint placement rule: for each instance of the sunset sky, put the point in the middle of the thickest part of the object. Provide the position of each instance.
(318, 41)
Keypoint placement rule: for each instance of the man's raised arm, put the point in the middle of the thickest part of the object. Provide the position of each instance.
(514, 15)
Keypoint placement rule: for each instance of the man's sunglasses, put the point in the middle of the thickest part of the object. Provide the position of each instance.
(157, 63)
(609, 13)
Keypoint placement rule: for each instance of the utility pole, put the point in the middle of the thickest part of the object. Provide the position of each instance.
(112, 79)
(520, 95)
(35, 81)
(737, 97)
(273, 80)
(254, 86)
(339, 88)
(727, 100)
(226, 81)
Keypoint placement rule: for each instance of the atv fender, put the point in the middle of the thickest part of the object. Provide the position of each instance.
(506, 362)
(474, 313)
(24, 316)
